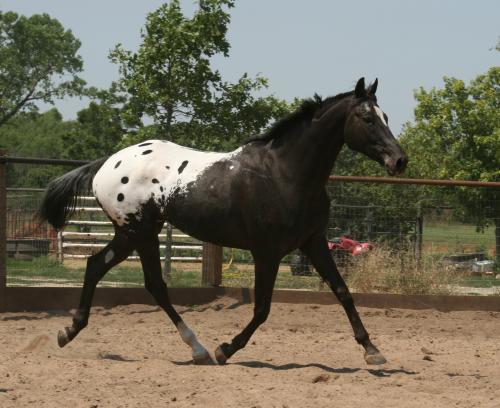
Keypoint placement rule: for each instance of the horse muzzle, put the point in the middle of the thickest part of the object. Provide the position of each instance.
(396, 164)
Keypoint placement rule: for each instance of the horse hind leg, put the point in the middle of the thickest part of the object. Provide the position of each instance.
(97, 266)
(150, 259)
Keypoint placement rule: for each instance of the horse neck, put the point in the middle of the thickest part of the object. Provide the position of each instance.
(314, 149)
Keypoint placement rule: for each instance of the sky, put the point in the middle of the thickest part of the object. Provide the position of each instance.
(304, 47)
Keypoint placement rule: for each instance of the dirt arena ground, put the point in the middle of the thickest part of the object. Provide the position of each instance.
(303, 356)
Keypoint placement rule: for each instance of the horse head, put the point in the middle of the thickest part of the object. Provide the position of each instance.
(366, 130)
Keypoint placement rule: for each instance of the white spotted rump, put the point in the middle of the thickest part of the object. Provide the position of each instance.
(150, 170)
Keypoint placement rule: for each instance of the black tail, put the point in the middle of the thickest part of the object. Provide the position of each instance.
(61, 195)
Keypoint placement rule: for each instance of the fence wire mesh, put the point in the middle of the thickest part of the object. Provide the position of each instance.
(383, 237)
(399, 238)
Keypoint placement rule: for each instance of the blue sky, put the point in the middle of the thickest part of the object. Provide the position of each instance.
(310, 46)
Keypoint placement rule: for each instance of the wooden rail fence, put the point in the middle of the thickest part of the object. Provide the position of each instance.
(88, 241)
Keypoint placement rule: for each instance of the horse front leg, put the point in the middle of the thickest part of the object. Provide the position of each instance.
(317, 251)
(266, 269)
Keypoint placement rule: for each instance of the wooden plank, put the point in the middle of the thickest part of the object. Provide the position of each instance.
(443, 303)
(66, 298)
(3, 231)
(110, 234)
(91, 223)
(136, 258)
(84, 245)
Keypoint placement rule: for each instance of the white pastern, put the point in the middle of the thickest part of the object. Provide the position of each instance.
(380, 114)
(190, 339)
(109, 256)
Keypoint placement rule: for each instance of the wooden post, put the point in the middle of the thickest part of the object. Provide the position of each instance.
(419, 235)
(3, 231)
(211, 270)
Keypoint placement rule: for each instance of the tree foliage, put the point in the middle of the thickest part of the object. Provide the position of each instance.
(33, 134)
(38, 63)
(458, 127)
(98, 130)
(170, 80)
(456, 135)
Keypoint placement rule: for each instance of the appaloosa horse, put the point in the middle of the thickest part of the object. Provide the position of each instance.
(267, 196)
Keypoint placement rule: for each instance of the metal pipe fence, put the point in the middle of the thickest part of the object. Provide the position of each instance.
(386, 235)
(432, 237)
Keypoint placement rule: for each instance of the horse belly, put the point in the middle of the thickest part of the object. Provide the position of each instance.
(210, 210)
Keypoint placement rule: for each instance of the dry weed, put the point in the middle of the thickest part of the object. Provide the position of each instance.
(383, 270)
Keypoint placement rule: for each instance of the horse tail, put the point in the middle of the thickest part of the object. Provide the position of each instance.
(61, 195)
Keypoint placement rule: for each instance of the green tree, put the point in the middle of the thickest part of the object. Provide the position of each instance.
(98, 130)
(170, 80)
(38, 63)
(33, 134)
(456, 135)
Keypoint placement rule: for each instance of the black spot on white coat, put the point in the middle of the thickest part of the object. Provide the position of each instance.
(182, 166)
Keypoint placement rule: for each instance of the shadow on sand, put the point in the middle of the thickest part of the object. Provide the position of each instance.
(35, 315)
(380, 372)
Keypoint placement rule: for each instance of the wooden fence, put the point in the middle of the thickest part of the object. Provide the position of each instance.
(87, 243)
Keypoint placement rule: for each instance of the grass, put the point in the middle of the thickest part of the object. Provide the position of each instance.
(242, 275)
(45, 270)
(456, 238)
(379, 271)
(479, 282)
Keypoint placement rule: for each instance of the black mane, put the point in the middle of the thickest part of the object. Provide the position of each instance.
(304, 113)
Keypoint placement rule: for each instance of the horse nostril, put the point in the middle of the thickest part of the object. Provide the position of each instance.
(401, 164)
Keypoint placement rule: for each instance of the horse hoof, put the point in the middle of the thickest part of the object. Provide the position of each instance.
(203, 359)
(375, 359)
(220, 356)
(62, 338)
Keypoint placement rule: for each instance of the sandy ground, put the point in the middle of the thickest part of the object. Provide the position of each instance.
(303, 356)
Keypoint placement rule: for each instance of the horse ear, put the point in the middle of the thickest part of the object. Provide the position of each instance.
(373, 87)
(360, 90)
